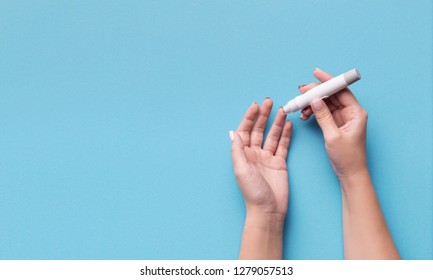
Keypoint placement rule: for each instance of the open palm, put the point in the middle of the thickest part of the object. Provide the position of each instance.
(262, 172)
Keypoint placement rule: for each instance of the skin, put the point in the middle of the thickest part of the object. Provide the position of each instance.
(263, 179)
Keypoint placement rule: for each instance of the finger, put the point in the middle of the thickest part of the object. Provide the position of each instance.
(260, 124)
(307, 111)
(304, 88)
(338, 118)
(330, 102)
(247, 123)
(284, 143)
(238, 153)
(330, 105)
(324, 119)
(334, 100)
(345, 96)
(271, 142)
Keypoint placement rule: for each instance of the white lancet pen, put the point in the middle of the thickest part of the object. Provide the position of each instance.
(322, 91)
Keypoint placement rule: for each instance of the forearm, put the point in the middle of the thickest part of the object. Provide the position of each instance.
(366, 235)
(262, 237)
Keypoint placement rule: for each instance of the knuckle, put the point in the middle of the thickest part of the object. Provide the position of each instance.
(272, 138)
(283, 141)
(325, 116)
(258, 130)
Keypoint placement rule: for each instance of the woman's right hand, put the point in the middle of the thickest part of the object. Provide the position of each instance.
(343, 122)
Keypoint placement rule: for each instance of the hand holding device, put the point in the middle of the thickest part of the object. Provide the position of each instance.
(343, 122)
(323, 90)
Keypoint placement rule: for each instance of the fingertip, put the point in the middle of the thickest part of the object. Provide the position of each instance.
(281, 112)
(236, 139)
(289, 125)
(301, 86)
(268, 101)
(235, 134)
(321, 75)
(317, 73)
(231, 135)
(266, 107)
(306, 88)
(280, 119)
(254, 108)
(237, 150)
(304, 117)
(306, 113)
(317, 105)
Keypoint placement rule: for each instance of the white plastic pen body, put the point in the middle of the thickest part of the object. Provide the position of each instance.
(321, 91)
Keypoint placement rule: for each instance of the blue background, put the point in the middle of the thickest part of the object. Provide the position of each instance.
(114, 120)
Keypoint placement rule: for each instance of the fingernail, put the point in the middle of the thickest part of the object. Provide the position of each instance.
(301, 86)
(317, 69)
(301, 116)
(317, 104)
(255, 102)
(232, 135)
(267, 97)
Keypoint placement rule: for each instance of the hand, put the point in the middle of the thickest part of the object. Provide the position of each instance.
(343, 122)
(262, 173)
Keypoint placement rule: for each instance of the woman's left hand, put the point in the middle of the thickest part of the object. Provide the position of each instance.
(262, 172)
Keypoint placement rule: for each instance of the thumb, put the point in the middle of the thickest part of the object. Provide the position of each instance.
(324, 118)
(238, 153)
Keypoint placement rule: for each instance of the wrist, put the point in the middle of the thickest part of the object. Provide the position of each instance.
(354, 173)
(355, 180)
(259, 219)
(262, 236)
